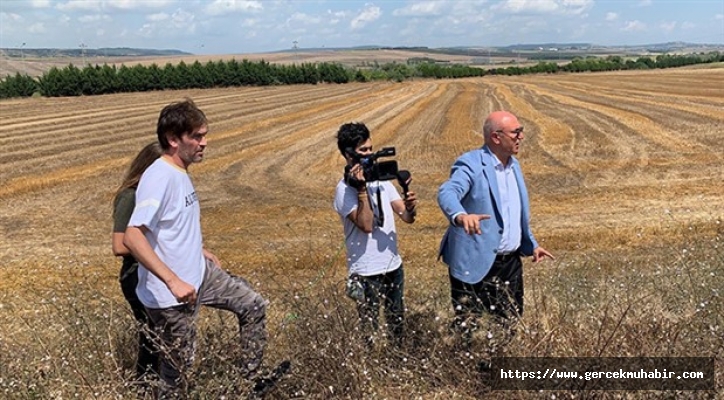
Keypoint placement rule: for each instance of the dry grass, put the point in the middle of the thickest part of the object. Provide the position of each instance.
(624, 171)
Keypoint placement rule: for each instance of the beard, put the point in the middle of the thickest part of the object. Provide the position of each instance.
(191, 156)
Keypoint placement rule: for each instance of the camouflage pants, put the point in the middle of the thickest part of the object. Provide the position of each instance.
(177, 329)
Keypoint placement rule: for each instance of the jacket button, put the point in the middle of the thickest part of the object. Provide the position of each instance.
(500, 231)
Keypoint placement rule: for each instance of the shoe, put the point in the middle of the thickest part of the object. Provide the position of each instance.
(265, 384)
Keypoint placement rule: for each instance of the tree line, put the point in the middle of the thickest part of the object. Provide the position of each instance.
(106, 79)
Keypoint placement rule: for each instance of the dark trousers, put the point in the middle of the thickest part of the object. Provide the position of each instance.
(148, 356)
(499, 293)
(386, 290)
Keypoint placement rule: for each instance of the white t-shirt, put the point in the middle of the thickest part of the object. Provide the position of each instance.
(369, 253)
(166, 204)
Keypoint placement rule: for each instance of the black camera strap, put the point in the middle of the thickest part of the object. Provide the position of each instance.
(381, 218)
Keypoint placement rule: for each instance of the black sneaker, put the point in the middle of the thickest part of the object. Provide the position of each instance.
(265, 384)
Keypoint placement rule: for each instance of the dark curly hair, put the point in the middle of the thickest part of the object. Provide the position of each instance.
(351, 135)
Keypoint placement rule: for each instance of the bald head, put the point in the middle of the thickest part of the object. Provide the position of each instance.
(503, 134)
(497, 121)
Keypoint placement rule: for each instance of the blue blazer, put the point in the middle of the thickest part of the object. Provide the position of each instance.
(473, 189)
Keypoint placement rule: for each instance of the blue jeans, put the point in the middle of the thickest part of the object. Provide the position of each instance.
(386, 290)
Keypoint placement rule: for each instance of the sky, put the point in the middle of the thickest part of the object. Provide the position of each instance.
(253, 26)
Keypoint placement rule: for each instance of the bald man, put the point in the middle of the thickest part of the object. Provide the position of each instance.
(486, 202)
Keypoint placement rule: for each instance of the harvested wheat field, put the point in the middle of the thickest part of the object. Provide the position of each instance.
(624, 171)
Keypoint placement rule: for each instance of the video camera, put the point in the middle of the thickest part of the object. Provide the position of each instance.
(373, 169)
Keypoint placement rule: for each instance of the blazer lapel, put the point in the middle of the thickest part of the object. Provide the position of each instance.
(522, 191)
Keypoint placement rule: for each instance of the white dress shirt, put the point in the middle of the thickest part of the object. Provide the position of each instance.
(510, 207)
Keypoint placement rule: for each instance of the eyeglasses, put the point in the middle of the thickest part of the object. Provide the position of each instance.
(516, 133)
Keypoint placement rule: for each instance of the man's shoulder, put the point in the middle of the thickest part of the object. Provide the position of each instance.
(472, 157)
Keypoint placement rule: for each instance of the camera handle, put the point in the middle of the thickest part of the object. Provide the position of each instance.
(403, 176)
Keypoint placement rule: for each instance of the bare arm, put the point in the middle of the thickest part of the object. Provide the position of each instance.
(407, 208)
(136, 242)
(362, 216)
(119, 249)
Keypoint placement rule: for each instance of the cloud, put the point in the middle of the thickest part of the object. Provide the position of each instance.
(611, 16)
(93, 18)
(335, 16)
(100, 5)
(686, 25)
(157, 17)
(87, 5)
(134, 4)
(719, 16)
(40, 3)
(631, 26)
(544, 6)
(369, 14)
(4, 16)
(421, 9)
(37, 27)
(303, 18)
(183, 20)
(180, 23)
(668, 26)
(221, 7)
(645, 3)
(525, 6)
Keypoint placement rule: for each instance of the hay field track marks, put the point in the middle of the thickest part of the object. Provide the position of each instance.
(23, 185)
(554, 137)
(28, 155)
(644, 126)
(58, 164)
(299, 138)
(18, 115)
(392, 130)
(649, 92)
(451, 127)
(593, 133)
(673, 82)
(383, 119)
(249, 140)
(251, 99)
(412, 130)
(708, 111)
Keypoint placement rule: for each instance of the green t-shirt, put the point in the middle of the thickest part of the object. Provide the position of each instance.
(123, 208)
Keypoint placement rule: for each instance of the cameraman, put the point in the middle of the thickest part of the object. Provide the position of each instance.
(373, 260)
